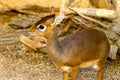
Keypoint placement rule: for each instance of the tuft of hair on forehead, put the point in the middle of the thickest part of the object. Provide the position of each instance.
(45, 18)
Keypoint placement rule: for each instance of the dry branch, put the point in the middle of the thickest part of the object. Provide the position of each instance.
(89, 18)
(102, 13)
(32, 44)
(21, 11)
(81, 22)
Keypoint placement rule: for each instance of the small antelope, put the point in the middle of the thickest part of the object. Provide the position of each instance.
(85, 48)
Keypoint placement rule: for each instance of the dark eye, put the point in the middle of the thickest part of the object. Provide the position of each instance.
(41, 27)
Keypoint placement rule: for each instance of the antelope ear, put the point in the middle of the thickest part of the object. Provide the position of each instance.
(52, 10)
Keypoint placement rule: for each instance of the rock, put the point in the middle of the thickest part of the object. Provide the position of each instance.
(118, 43)
(23, 21)
(113, 52)
(112, 36)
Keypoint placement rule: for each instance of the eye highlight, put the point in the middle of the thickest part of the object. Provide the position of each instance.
(41, 27)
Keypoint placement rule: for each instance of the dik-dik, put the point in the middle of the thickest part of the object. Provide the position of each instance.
(85, 48)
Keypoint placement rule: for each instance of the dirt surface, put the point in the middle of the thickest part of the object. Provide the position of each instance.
(16, 63)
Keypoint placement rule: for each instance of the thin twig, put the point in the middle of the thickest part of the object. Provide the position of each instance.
(75, 18)
(91, 19)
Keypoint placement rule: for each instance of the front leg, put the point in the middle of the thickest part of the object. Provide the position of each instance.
(65, 75)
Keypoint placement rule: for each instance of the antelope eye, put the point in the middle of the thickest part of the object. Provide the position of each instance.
(41, 27)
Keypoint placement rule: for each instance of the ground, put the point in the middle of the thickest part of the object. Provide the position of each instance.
(16, 63)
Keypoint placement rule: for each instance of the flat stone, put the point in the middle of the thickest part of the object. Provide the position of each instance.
(23, 21)
(113, 52)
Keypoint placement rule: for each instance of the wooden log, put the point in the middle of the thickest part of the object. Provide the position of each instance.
(32, 44)
(80, 3)
(102, 13)
(113, 52)
(65, 4)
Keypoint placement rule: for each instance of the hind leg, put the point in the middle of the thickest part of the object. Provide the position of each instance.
(100, 71)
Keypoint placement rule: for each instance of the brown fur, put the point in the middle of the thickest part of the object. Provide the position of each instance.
(85, 48)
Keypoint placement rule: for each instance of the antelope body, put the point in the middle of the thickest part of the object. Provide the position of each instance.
(85, 48)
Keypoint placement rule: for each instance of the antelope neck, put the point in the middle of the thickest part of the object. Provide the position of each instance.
(54, 47)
